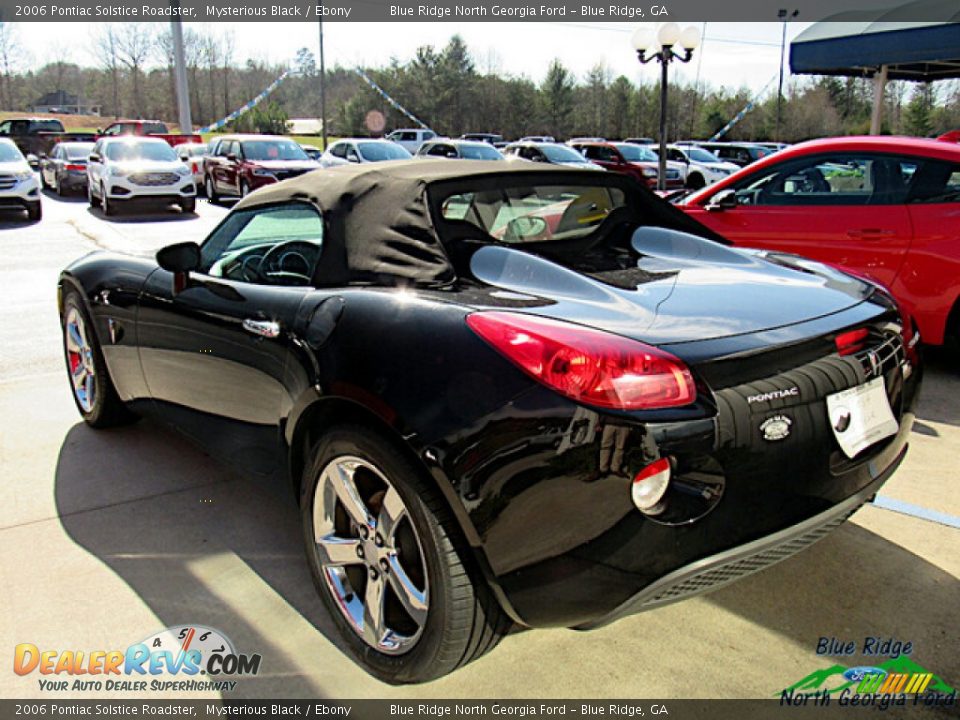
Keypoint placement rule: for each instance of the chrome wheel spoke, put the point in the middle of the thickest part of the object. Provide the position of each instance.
(414, 601)
(374, 625)
(75, 342)
(391, 513)
(346, 490)
(339, 551)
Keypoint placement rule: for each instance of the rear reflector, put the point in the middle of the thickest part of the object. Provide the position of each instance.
(650, 484)
(75, 167)
(587, 365)
(852, 342)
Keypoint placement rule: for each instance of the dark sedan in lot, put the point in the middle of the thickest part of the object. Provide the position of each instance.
(504, 394)
(65, 168)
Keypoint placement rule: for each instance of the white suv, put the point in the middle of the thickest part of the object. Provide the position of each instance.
(411, 138)
(19, 189)
(702, 166)
(121, 169)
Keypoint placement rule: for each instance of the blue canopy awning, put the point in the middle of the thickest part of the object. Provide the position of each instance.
(860, 43)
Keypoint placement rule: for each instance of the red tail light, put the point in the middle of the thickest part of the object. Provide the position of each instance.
(852, 341)
(196, 168)
(586, 365)
(75, 167)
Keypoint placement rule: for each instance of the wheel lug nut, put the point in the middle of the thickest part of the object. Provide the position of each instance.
(385, 566)
(379, 540)
(373, 573)
(360, 551)
(364, 532)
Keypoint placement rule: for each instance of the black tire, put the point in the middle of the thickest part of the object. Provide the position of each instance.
(464, 620)
(210, 189)
(695, 181)
(34, 211)
(107, 207)
(107, 409)
(244, 188)
(90, 198)
(43, 181)
(58, 186)
(188, 205)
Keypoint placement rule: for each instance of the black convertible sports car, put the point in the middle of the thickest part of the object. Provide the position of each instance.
(505, 396)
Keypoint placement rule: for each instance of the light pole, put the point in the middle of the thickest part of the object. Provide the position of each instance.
(658, 44)
(782, 14)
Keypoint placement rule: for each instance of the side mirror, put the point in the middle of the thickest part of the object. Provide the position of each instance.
(33, 161)
(723, 200)
(99, 131)
(232, 157)
(93, 157)
(43, 156)
(180, 259)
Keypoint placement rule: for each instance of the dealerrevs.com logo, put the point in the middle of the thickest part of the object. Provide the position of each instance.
(179, 658)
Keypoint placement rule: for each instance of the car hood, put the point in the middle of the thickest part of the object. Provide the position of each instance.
(15, 166)
(683, 288)
(720, 166)
(579, 165)
(135, 166)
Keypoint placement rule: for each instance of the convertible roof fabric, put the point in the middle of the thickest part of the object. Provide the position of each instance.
(859, 42)
(381, 212)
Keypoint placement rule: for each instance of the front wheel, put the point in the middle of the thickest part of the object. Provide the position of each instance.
(695, 182)
(244, 189)
(34, 211)
(188, 205)
(105, 204)
(93, 389)
(390, 563)
(210, 189)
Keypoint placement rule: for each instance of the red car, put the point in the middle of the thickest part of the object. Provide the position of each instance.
(884, 208)
(148, 128)
(239, 164)
(636, 161)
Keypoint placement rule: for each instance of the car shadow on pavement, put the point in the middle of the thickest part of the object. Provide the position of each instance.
(15, 219)
(941, 388)
(186, 533)
(69, 196)
(134, 215)
(851, 585)
(201, 543)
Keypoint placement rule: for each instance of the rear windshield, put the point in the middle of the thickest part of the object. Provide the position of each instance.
(273, 150)
(541, 213)
(700, 155)
(37, 126)
(78, 151)
(379, 151)
(151, 128)
(159, 151)
(480, 152)
(561, 154)
(636, 153)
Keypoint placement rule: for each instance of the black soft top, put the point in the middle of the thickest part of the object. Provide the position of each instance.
(378, 220)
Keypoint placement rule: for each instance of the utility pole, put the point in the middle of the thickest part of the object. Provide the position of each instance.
(180, 72)
(323, 90)
(782, 14)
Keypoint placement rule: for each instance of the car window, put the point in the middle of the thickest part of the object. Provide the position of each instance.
(936, 182)
(5, 128)
(339, 150)
(441, 150)
(276, 245)
(376, 150)
(272, 150)
(155, 128)
(863, 179)
(534, 213)
(120, 151)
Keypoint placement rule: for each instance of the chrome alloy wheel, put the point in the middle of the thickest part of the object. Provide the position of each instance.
(80, 360)
(371, 557)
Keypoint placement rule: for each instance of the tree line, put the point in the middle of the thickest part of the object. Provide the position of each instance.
(451, 91)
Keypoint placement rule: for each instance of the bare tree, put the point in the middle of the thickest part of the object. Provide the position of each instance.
(107, 50)
(12, 56)
(135, 44)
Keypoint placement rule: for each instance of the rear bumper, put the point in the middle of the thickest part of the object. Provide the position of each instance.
(712, 573)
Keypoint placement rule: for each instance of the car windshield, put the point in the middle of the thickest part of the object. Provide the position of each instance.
(534, 213)
(635, 153)
(9, 152)
(701, 155)
(78, 151)
(480, 152)
(273, 150)
(196, 150)
(562, 154)
(45, 126)
(379, 151)
(124, 151)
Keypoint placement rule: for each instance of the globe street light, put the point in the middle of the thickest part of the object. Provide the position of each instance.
(661, 44)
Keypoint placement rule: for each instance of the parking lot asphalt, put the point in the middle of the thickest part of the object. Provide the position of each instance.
(108, 537)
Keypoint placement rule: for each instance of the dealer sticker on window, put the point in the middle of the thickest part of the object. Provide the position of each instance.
(861, 416)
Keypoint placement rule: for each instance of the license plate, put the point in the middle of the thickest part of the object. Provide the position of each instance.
(861, 416)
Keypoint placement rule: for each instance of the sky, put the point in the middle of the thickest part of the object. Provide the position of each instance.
(732, 55)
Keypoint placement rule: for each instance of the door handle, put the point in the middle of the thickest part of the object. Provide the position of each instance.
(263, 328)
(871, 233)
